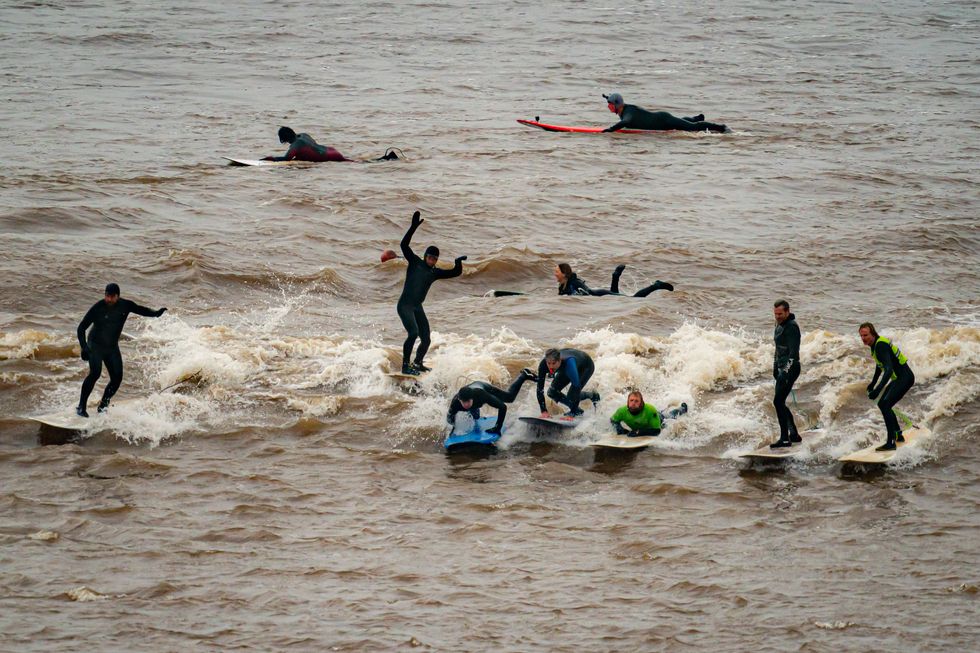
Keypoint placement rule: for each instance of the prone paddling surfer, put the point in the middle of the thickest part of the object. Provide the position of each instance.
(302, 147)
(474, 396)
(634, 117)
(892, 367)
(106, 317)
(419, 277)
(785, 369)
(570, 284)
(641, 418)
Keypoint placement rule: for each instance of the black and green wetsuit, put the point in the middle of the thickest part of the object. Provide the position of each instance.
(893, 369)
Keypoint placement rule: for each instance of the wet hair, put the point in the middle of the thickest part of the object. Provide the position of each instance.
(286, 135)
(636, 393)
(566, 269)
(870, 327)
(552, 355)
(781, 303)
(112, 289)
(432, 250)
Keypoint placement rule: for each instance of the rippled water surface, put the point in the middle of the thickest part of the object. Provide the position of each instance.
(291, 495)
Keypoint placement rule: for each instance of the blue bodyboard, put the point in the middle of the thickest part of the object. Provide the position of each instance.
(475, 436)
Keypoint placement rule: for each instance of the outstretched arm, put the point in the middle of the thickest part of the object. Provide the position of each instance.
(407, 239)
(455, 272)
(144, 311)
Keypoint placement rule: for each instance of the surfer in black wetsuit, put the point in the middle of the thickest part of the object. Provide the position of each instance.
(893, 368)
(302, 147)
(418, 278)
(475, 395)
(106, 317)
(634, 117)
(785, 369)
(570, 284)
(569, 367)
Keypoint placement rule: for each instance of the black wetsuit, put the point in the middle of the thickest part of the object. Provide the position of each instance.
(418, 278)
(576, 369)
(634, 117)
(895, 390)
(484, 394)
(786, 369)
(575, 286)
(304, 148)
(102, 345)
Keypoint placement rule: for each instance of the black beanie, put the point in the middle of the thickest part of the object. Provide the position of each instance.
(432, 250)
(112, 289)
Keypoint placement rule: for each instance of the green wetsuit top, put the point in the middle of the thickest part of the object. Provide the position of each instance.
(648, 419)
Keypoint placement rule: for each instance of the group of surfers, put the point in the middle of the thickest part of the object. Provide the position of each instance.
(100, 330)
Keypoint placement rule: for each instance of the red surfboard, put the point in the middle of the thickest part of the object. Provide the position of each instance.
(584, 130)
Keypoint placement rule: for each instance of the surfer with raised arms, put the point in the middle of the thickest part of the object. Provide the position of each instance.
(570, 284)
(641, 418)
(106, 317)
(785, 369)
(419, 277)
(302, 147)
(569, 367)
(892, 367)
(473, 396)
(634, 117)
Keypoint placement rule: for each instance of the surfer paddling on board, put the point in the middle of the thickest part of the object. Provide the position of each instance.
(302, 147)
(634, 117)
(569, 367)
(419, 276)
(641, 418)
(892, 367)
(785, 369)
(106, 317)
(570, 284)
(475, 395)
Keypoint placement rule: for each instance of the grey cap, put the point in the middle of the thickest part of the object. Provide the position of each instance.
(614, 99)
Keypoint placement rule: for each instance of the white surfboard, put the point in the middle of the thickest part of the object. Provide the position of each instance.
(616, 441)
(560, 422)
(869, 456)
(67, 419)
(398, 376)
(259, 162)
(765, 452)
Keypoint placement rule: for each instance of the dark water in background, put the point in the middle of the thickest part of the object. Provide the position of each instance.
(298, 498)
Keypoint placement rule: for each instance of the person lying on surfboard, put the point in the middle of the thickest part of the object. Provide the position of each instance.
(641, 418)
(896, 379)
(302, 147)
(570, 284)
(475, 395)
(568, 367)
(634, 117)
(106, 317)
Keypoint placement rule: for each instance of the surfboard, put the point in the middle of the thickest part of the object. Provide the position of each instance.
(765, 453)
(67, 419)
(506, 293)
(258, 162)
(869, 456)
(476, 436)
(584, 130)
(553, 422)
(398, 376)
(616, 441)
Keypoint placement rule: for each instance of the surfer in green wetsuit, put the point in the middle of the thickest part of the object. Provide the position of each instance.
(570, 284)
(892, 367)
(106, 317)
(475, 395)
(641, 418)
(634, 117)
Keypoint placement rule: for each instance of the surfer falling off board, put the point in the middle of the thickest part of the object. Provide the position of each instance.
(472, 397)
(106, 318)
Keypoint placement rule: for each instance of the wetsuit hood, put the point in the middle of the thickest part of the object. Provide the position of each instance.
(615, 99)
(466, 393)
(432, 250)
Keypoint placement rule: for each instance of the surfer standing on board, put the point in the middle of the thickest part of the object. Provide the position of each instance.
(634, 117)
(892, 366)
(302, 147)
(785, 369)
(106, 317)
(570, 284)
(475, 395)
(569, 367)
(419, 277)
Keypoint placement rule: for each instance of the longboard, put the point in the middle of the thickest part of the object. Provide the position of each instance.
(615, 441)
(868, 455)
(766, 453)
(584, 130)
(67, 419)
(258, 162)
(559, 422)
(398, 376)
(476, 436)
